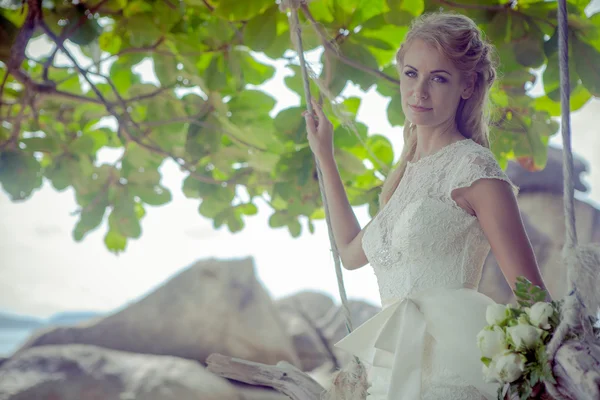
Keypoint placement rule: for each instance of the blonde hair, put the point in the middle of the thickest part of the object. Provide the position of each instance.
(459, 39)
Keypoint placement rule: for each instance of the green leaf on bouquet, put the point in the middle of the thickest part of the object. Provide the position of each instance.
(527, 293)
(486, 361)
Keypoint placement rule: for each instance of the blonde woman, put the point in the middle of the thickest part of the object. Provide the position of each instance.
(445, 205)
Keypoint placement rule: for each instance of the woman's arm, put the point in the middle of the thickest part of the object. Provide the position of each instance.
(496, 208)
(346, 229)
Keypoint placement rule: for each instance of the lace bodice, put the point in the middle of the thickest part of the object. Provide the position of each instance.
(422, 238)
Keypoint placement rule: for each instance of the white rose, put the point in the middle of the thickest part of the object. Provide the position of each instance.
(524, 335)
(490, 374)
(491, 341)
(496, 314)
(509, 366)
(539, 314)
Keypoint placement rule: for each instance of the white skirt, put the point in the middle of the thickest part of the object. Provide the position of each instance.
(424, 347)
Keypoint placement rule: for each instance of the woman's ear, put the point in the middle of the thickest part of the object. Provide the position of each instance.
(469, 87)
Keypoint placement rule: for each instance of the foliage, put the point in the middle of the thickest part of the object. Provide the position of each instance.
(57, 117)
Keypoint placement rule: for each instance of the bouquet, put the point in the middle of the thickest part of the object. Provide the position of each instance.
(513, 345)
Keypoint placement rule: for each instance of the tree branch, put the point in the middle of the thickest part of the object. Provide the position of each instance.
(348, 61)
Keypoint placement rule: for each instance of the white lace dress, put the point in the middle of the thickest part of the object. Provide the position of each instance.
(428, 254)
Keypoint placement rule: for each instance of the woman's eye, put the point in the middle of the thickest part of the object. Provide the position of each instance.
(410, 74)
(439, 79)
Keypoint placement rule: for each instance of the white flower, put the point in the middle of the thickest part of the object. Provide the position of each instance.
(491, 341)
(524, 335)
(496, 314)
(509, 366)
(539, 314)
(490, 374)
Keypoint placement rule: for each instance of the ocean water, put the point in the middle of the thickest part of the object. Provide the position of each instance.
(11, 339)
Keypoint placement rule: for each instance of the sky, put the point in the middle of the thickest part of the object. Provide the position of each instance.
(44, 271)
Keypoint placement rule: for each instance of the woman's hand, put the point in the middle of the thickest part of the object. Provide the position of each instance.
(320, 133)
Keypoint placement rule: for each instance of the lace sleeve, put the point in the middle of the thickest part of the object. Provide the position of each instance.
(479, 165)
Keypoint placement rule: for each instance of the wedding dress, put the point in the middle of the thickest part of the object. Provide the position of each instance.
(427, 254)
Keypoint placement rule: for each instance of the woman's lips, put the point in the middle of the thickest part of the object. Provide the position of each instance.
(419, 109)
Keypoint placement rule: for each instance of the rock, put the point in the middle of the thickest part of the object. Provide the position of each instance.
(315, 323)
(78, 372)
(550, 179)
(214, 306)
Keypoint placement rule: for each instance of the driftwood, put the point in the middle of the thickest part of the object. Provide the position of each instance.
(576, 369)
(283, 377)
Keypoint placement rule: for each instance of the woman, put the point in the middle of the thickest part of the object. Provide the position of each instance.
(442, 209)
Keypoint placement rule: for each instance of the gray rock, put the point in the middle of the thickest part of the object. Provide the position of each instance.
(315, 323)
(78, 372)
(550, 179)
(214, 306)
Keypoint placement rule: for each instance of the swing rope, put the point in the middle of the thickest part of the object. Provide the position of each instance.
(582, 261)
(351, 382)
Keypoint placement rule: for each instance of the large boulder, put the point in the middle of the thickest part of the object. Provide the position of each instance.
(548, 180)
(78, 372)
(214, 306)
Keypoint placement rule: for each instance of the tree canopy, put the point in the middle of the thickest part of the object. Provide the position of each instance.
(222, 134)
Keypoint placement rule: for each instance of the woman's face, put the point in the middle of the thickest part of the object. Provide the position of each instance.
(430, 85)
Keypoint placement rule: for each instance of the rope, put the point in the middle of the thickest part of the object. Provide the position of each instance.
(350, 383)
(296, 32)
(571, 306)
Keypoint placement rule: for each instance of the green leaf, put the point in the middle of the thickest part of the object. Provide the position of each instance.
(141, 30)
(394, 111)
(43, 144)
(155, 195)
(529, 51)
(345, 137)
(115, 242)
(290, 125)
(415, 7)
(247, 209)
(165, 68)
(399, 17)
(91, 216)
(587, 59)
(82, 33)
(215, 76)
(84, 144)
(235, 10)
(211, 207)
(295, 228)
(278, 219)
(20, 174)
(260, 32)
(381, 148)
(551, 77)
(248, 105)
(349, 162)
(8, 34)
(123, 218)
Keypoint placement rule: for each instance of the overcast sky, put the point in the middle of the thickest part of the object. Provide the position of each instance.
(43, 271)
